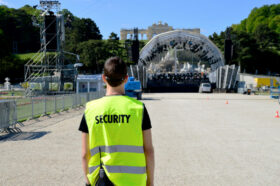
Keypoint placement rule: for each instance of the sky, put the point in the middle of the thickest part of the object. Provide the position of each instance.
(112, 15)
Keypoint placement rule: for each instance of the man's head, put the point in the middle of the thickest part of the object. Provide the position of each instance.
(115, 71)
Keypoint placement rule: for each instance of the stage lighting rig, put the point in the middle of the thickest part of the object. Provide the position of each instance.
(49, 5)
(51, 64)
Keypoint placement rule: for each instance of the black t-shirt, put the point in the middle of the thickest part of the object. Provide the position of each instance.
(146, 124)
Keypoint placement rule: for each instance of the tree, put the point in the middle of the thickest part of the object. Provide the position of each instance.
(80, 30)
(113, 36)
(266, 37)
(114, 45)
(93, 54)
(218, 40)
(268, 14)
(245, 50)
(17, 26)
(17, 35)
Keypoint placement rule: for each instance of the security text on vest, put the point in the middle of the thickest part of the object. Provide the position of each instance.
(112, 119)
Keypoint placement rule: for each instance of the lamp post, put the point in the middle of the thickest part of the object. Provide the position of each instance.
(76, 66)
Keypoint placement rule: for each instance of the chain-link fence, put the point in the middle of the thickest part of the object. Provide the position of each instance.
(13, 111)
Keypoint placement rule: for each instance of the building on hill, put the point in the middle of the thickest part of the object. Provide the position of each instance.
(151, 31)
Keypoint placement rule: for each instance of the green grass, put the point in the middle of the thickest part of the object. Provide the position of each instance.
(28, 56)
(12, 93)
(24, 106)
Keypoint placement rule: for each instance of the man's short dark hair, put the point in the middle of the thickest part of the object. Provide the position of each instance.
(115, 71)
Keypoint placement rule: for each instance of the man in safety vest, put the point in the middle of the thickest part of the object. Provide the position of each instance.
(116, 135)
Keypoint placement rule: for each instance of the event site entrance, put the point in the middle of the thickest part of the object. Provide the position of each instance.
(177, 61)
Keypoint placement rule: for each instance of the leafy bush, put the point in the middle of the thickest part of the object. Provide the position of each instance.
(53, 86)
(68, 86)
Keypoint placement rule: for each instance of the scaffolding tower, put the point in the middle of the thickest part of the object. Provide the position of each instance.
(46, 72)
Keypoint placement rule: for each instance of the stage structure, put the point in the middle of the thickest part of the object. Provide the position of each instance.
(177, 59)
(225, 77)
(49, 71)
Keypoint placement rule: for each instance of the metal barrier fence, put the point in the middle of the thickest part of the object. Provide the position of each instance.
(7, 113)
(13, 111)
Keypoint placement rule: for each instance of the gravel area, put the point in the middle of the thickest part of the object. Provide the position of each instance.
(198, 140)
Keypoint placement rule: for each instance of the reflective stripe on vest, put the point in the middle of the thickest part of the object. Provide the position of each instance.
(92, 169)
(121, 169)
(117, 148)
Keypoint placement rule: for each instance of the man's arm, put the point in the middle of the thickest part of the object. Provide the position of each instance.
(85, 154)
(149, 153)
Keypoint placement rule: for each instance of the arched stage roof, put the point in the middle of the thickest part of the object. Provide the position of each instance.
(197, 43)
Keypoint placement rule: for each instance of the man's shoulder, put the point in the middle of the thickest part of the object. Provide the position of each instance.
(133, 100)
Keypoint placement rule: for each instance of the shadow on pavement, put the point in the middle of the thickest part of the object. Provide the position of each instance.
(18, 136)
(150, 99)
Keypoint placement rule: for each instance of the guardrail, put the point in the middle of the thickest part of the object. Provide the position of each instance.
(18, 110)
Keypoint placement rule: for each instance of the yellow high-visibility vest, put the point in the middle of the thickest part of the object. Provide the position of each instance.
(115, 134)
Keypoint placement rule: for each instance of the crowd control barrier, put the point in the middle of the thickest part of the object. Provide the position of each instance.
(18, 110)
(8, 114)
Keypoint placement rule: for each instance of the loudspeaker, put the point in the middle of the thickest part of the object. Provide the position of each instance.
(228, 50)
(128, 47)
(135, 51)
(51, 36)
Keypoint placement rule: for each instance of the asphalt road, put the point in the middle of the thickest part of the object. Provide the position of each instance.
(198, 140)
